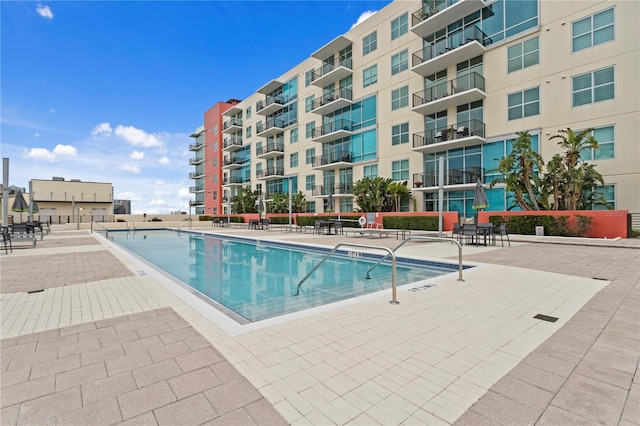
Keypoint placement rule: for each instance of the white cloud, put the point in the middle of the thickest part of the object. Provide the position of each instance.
(36, 134)
(159, 182)
(66, 150)
(157, 203)
(44, 11)
(43, 154)
(184, 193)
(364, 16)
(40, 154)
(137, 137)
(130, 168)
(164, 160)
(136, 155)
(162, 193)
(102, 129)
(128, 196)
(52, 110)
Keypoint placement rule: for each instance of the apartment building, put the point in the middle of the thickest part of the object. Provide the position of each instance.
(420, 80)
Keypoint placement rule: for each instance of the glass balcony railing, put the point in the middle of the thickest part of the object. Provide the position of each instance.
(463, 129)
(336, 189)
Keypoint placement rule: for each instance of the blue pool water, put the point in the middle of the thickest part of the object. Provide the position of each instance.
(257, 280)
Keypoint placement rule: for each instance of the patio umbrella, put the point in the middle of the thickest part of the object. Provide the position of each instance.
(330, 202)
(19, 204)
(479, 197)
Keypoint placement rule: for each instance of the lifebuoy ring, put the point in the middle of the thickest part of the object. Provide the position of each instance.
(362, 221)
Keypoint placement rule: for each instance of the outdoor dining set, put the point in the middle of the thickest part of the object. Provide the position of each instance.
(480, 234)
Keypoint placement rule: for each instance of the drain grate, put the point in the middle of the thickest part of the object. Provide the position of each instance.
(35, 291)
(546, 318)
(601, 279)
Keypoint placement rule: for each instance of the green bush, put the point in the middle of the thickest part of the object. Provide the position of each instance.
(419, 223)
(526, 225)
(156, 219)
(310, 221)
(208, 218)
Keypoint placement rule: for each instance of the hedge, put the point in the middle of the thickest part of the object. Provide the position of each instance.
(418, 223)
(207, 218)
(526, 225)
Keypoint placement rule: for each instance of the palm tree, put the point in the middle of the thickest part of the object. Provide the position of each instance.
(371, 194)
(520, 173)
(245, 201)
(398, 192)
(571, 166)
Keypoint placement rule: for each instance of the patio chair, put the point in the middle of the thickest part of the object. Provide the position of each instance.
(503, 232)
(470, 232)
(457, 230)
(317, 228)
(6, 239)
(338, 227)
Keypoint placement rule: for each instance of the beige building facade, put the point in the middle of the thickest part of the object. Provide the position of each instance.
(422, 80)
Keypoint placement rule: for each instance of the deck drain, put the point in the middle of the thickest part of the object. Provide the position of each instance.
(35, 291)
(546, 318)
(601, 279)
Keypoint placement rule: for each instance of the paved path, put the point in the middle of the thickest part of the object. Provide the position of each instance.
(111, 340)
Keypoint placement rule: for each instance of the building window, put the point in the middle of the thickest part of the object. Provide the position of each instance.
(608, 193)
(400, 98)
(523, 54)
(293, 135)
(311, 206)
(215, 195)
(524, 104)
(214, 162)
(592, 30)
(308, 78)
(308, 103)
(215, 129)
(370, 76)
(309, 129)
(309, 154)
(593, 87)
(247, 132)
(248, 113)
(400, 170)
(399, 26)
(293, 160)
(371, 171)
(215, 178)
(400, 134)
(310, 182)
(370, 43)
(606, 139)
(399, 62)
(215, 147)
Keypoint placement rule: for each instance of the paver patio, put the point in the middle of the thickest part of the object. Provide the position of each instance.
(117, 344)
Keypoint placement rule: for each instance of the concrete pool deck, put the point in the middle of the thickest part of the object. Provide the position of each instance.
(109, 340)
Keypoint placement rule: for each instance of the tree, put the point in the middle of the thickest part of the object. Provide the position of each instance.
(371, 194)
(576, 177)
(398, 192)
(520, 173)
(245, 201)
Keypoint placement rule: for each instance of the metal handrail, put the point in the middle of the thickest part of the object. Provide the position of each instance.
(106, 231)
(421, 237)
(393, 267)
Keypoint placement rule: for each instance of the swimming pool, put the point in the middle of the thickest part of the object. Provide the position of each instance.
(252, 280)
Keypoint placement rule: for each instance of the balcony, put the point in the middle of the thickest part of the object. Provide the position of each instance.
(339, 190)
(272, 127)
(332, 73)
(196, 145)
(329, 102)
(227, 200)
(196, 203)
(334, 160)
(458, 46)
(233, 125)
(453, 178)
(331, 131)
(461, 90)
(234, 162)
(463, 134)
(437, 14)
(197, 174)
(194, 189)
(270, 150)
(195, 160)
(234, 180)
(270, 105)
(270, 173)
(232, 143)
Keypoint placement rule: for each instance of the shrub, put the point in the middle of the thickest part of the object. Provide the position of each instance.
(526, 225)
(420, 223)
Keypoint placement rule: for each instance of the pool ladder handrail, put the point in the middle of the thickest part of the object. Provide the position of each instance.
(426, 238)
(394, 300)
(106, 231)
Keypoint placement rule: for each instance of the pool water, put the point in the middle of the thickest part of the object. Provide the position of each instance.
(257, 280)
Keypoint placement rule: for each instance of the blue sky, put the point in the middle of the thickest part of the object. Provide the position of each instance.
(110, 91)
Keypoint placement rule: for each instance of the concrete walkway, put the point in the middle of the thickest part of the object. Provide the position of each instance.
(91, 335)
